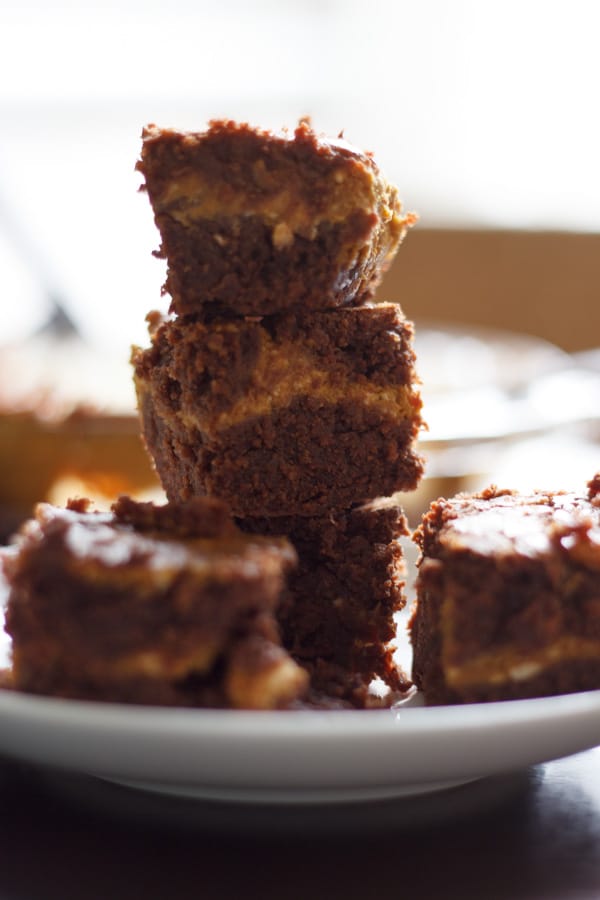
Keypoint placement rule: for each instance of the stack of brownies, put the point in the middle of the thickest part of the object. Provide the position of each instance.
(276, 385)
(281, 409)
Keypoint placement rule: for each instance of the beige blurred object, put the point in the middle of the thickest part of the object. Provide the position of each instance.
(507, 323)
(67, 422)
(545, 284)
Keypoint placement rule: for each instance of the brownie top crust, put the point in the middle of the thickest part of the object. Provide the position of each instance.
(142, 541)
(503, 523)
(296, 179)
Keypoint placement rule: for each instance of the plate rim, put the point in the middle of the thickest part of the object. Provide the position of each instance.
(403, 718)
(224, 754)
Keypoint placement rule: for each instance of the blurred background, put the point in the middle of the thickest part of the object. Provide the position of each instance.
(484, 114)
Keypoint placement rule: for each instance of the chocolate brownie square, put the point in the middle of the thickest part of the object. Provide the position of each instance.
(291, 414)
(508, 596)
(167, 605)
(253, 222)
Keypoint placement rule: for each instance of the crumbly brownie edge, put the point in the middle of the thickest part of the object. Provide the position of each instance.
(200, 517)
(223, 267)
(303, 460)
(342, 598)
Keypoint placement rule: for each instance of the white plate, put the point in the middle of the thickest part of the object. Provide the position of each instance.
(482, 384)
(312, 756)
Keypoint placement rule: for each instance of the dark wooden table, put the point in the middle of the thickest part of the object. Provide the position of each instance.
(532, 834)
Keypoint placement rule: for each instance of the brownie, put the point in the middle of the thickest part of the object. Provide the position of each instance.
(149, 604)
(291, 414)
(254, 222)
(508, 596)
(338, 617)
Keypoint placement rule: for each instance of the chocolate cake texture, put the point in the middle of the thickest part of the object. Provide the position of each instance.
(508, 596)
(291, 415)
(253, 222)
(338, 615)
(167, 605)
